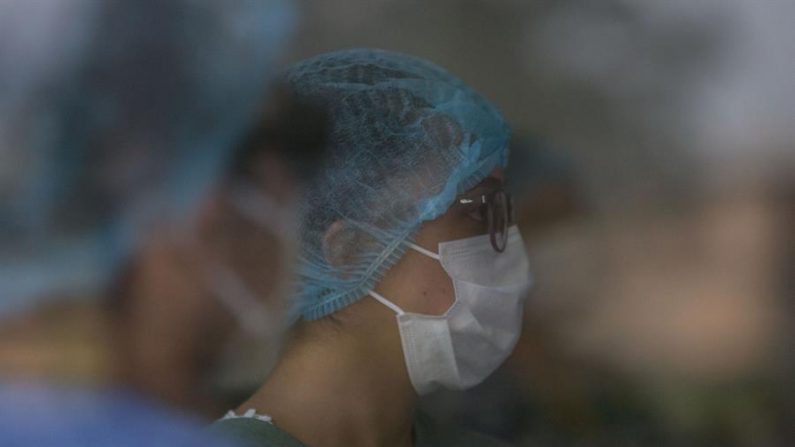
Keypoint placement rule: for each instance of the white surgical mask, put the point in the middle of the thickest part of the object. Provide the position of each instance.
(459, 349)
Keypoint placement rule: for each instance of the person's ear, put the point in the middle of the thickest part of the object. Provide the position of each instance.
(336, 244)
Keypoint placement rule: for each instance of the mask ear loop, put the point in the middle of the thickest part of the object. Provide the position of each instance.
(378, 297)
(252, 315)
(228, 289)
(263, 210)
(424, 251)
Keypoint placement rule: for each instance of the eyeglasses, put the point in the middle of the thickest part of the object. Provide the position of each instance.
(497, 209)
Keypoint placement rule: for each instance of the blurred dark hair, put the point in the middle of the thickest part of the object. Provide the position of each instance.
(291, 128)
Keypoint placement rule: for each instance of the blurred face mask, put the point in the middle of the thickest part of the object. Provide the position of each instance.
(464, 346)
(255, 346)
(228, 287)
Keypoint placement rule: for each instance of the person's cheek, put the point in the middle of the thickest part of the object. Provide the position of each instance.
(467, 226)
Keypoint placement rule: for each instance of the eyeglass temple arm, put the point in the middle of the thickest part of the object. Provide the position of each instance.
(468, 201)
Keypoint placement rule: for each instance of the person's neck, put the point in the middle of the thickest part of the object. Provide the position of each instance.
(344, 389)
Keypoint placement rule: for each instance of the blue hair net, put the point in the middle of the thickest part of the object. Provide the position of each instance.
(406, 138)
(114, 115)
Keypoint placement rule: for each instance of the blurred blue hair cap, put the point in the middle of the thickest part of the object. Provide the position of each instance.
(114, 116)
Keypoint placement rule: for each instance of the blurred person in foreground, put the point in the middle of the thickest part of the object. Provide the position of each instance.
(412, 276)
(114, 117)
(199, 311)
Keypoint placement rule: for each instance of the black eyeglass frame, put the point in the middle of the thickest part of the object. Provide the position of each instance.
(498, 208)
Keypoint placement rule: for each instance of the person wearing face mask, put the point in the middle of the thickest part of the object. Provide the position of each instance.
(114, 117)
(199, 311)
(412, 275)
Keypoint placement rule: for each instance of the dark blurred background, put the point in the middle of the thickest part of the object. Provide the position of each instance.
(653, 160)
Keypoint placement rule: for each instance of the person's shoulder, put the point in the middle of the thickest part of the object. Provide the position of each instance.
(431, 433)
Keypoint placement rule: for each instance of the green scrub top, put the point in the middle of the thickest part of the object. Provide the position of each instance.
(252, 432)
